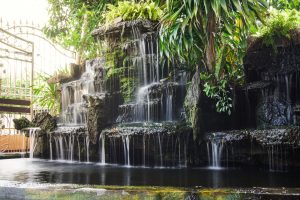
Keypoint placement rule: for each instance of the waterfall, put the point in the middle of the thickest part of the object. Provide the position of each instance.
(169, 112)
(208, 153)
(32, 139)
(126, 148)
(71, 148)
(50, 145)
(141, 99)
(73, 109)
(147, 66)
(24, 148)
(144, 150)
(87, 143)
(215, 153)
(102, 148)
(160, 151)
(185, 156)
(57, 148)
(179, 154)
(78, 145)
(61, 147)
(152, 99)
(276, 158)
(148, 147)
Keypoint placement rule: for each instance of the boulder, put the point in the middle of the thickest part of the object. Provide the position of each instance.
(274, 112)
(45, 121)
(272, 78)
(192, 103)
(22, 123)
(98, 114)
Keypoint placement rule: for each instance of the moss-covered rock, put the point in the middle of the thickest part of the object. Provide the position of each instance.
(22, 123)
(192, 103)
(65, 191)
(45, 121)
(98, 114)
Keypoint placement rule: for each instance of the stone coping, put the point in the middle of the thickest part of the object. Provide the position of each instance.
(143, 25)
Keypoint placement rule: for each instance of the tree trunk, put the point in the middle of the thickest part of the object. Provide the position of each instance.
(82, 34)
(210, 48)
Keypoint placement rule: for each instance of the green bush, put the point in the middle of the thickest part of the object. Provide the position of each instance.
(47, 95)
(279, 24)
(129, 10)
(22, 123)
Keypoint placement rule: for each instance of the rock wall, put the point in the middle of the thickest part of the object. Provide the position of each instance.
(273, 149)
(272, 75)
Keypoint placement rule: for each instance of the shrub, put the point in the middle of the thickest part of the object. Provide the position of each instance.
(129, 10)
(279, 24)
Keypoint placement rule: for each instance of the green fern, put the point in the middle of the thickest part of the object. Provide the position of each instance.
(130, 10)
(279, 24)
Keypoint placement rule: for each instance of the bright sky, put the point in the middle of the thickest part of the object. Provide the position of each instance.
(47, 59)
(31, 10)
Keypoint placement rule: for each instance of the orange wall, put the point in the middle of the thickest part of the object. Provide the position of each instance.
(13, 143)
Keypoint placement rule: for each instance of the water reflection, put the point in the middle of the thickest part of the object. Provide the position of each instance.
(40, 171)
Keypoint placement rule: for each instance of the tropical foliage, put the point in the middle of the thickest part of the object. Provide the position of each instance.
(279, 24)
(130, 10)
(286, 4)
(47, 95)
(71, 23)
(192, 28)
(210, 35)
(205, 34)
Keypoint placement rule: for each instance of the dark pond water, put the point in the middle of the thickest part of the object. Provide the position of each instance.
(40, 171)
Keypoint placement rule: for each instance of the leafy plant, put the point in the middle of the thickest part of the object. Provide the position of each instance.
(71, 23)
(47, 95)
(127, 88)
(191, 29)
(211, 35)
(228, 71)
(22, 123)
(279, 24)
(285, 4)
(217, 89)
(131, 10)
(63, 71)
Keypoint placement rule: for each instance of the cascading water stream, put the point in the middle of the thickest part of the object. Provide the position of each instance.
(33, 141)
(71, 147)
(126, 149)
(102, 148)
(23, 145)
(57, 147)
(215, 150)
(87, 142)
(61, 148)
(144, 150)
(79, 152)
(160, 151)
(169, 108)
(276, 158)
(73, 121)
(154, 100)
(50, 145)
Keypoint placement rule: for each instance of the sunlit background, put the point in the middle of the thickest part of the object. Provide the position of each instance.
(31, 10)
(25, 19)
